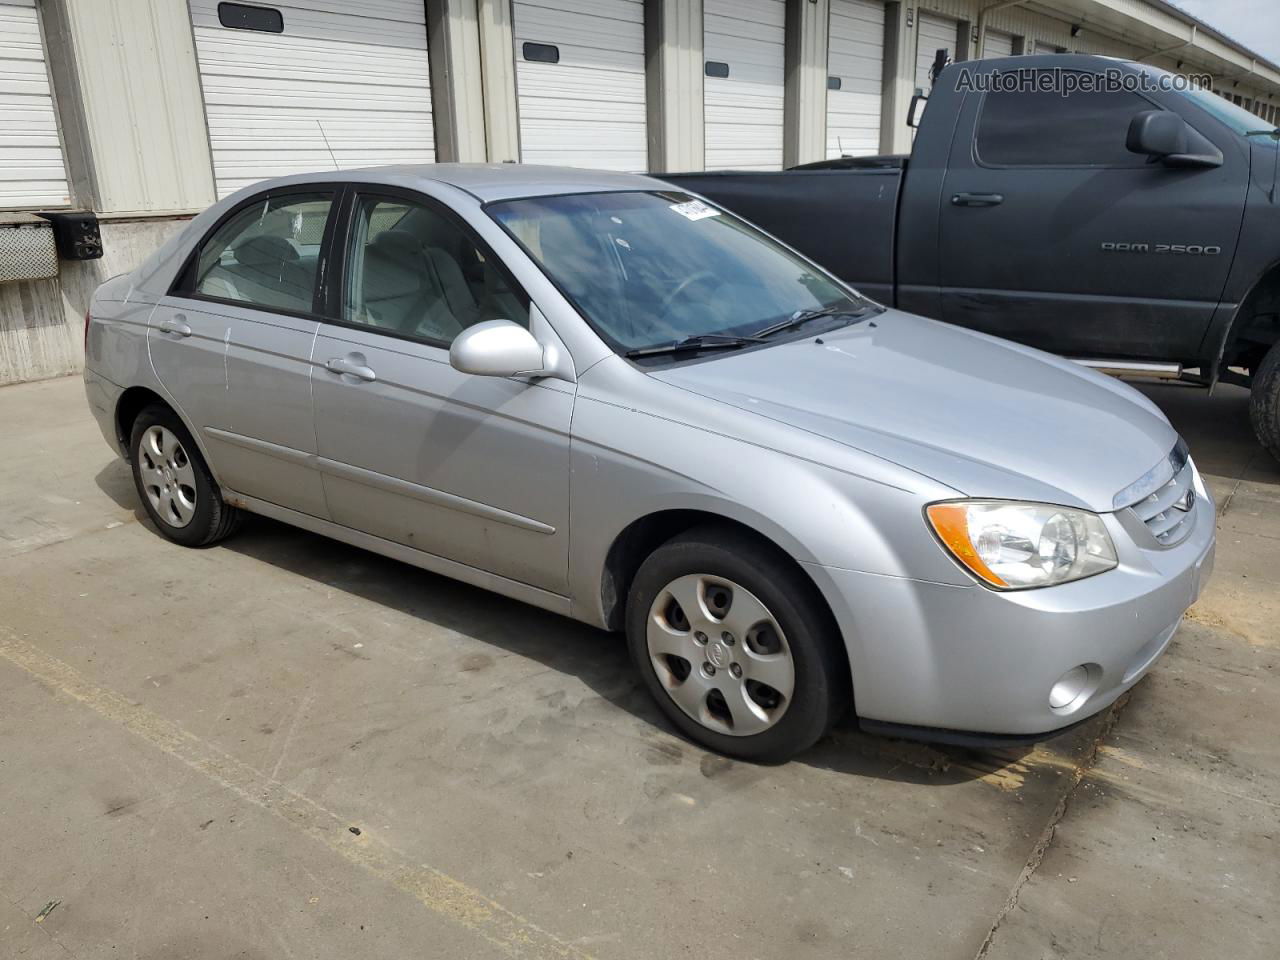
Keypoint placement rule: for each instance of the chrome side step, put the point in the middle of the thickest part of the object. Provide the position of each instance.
(1130, 368)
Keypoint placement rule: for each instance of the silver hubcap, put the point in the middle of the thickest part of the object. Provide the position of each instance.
(168, 478)
(720, 655)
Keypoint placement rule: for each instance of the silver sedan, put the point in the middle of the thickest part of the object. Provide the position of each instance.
(614, 400)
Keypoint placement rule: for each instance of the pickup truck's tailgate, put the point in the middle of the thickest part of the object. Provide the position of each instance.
(843, 219)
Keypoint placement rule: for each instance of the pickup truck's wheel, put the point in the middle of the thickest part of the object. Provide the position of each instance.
(1264, 402)
(175, 486)
(735, 646)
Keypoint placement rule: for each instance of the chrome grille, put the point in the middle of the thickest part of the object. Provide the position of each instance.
(1168, 513)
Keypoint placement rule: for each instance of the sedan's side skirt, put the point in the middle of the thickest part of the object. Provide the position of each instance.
(418, 558)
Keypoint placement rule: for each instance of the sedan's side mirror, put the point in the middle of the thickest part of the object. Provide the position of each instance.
(497, 348)
(1166, 137)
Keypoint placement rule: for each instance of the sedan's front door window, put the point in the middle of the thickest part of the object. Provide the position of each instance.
(267, 254)
(414, 272)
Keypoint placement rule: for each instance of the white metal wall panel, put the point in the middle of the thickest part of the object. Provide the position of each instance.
(855, 54)
(743, 112)
(587, 110)
(998, 44)
(1045, 47)
(354, 75)
(32, 172)
(932, 34)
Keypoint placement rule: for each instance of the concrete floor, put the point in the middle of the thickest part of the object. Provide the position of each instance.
(190, 741)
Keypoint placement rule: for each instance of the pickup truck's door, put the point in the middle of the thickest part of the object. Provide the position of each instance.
(1053, 234)
(473, 469)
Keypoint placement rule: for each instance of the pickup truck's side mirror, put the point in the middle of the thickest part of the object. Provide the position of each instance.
(497, 348)
(918, 100)
(1166, 137)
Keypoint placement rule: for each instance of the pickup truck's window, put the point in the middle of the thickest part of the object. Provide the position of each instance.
(267, 254)
(1237, 118)
(652, 268)
(414, 272)
(1024, 128)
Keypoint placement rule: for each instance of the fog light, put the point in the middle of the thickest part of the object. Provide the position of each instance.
(1073, 687)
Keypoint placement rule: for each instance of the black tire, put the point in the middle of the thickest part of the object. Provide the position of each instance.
(822, 689)
(1264, 402)
(212, 519)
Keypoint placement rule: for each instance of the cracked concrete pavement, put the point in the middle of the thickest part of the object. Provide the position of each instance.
(285, 747)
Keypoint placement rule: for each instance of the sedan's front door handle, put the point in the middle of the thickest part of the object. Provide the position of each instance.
(351, 367)
(176, 327)
(978, 199)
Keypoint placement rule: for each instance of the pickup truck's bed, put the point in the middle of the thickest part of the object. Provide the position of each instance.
(843, 217)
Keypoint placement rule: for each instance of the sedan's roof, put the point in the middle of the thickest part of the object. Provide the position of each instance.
(505, 181)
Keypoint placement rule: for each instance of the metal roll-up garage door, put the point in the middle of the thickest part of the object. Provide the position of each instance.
(932, 35)
(743, 43)
(998, 45)
(855, 64)
(580, 82)
(313, 84)
(32, 173)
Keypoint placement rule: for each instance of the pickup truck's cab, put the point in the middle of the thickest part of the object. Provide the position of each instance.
(1061, 219)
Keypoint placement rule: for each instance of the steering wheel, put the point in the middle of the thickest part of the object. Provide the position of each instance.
(699, 276)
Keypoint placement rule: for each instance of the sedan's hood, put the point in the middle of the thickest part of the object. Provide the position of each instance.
(984, 416)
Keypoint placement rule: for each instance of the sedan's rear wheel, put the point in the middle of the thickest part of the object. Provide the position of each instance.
(168, 479)
(735, 645)
(175, 486)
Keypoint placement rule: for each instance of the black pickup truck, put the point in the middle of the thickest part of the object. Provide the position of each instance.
(1132, 223)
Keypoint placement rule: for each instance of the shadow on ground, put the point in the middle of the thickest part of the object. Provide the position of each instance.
(599, 659)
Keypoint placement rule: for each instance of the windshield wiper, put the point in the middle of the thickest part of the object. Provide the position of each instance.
(702, 341)
(801, 317)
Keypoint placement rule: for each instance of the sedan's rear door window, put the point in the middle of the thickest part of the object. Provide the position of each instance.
(267, 254)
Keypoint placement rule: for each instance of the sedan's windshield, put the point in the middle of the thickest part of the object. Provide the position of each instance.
(651, 269)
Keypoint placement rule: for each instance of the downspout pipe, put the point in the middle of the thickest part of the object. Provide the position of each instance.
(981, 47)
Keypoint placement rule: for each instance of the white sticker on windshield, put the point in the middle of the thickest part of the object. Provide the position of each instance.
(694, 210)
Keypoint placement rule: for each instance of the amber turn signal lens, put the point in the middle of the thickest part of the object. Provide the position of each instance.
(950, 522)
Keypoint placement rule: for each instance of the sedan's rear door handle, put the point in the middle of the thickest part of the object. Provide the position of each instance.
(977, 199)
(176, 327)
(351, 367)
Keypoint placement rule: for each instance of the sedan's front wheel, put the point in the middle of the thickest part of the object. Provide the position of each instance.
(735, 646)
(175, 486)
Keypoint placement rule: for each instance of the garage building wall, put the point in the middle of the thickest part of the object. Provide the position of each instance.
(344, 85)
(998, 44)
(933, 33)
(744, 111)
(587, 109)
(855, 64)
(32, 170)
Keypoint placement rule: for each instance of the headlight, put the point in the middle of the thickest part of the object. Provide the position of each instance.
(1014, 546)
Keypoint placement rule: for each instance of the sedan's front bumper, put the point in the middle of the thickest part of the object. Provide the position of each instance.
(970, 660)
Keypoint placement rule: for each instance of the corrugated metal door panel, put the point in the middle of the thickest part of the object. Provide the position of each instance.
(932, 35)
(32, 171)
(855, 55)
(587, 110)
(343, 83)
(1045, 47)
(998, 45)
(743, 112)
